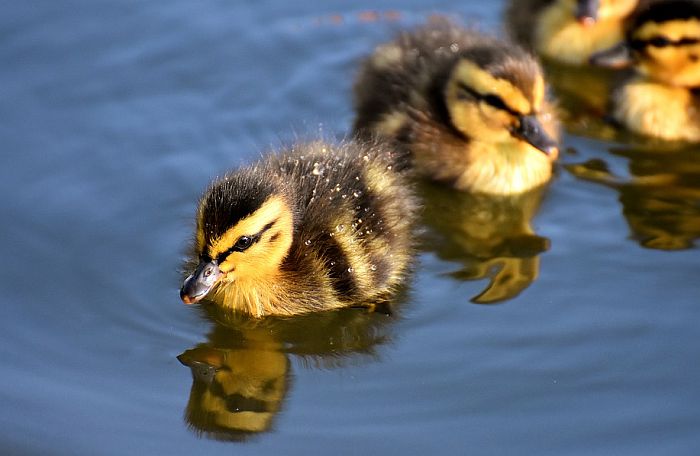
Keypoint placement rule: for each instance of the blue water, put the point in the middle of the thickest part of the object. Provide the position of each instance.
(116, 114)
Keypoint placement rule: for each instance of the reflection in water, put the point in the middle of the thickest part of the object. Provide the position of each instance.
(241, 374)
(490, 235)
(584, 95)
(661, 198)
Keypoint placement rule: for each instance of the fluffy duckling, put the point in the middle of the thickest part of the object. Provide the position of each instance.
(663, 45)
(315, 227)
(469, 109)
(568, 31)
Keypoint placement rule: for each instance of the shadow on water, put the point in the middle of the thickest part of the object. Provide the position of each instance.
(242, 374)
(490, 236)
(661, 196)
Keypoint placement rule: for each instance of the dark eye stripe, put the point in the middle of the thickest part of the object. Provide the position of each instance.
(240, 247)
(490, 99)
(662, 42)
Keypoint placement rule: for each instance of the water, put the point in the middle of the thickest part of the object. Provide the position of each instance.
(115, 115)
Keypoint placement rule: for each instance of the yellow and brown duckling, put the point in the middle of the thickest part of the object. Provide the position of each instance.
(469, 109)
(315, 227)
(568, 31)
(662, 43)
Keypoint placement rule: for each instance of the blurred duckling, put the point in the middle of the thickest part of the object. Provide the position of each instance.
(662, 43)
(568, 31)
(313, 228)
(469, 109)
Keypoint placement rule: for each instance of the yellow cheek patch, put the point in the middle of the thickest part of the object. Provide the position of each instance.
(479, 80)
(671, 30)
(610, 9)
(538, 93)
(272, 209)
(200, 230)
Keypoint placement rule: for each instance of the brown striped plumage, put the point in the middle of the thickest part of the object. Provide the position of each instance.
(326, 227)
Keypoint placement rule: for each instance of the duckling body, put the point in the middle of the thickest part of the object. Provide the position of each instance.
(658, 110)
(568, 31)
(662, 44)
(468, 109)
(315, 227)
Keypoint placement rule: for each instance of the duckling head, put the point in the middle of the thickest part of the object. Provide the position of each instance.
(662, 43)
(587, 12)
(496, 96)
(244, 231)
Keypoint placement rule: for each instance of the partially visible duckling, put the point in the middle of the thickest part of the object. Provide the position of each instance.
(469, 109)
(313, 228)
(663, 45)
(568, 31)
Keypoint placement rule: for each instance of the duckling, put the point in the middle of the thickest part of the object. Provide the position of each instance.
(468, 109)
(315, 227)
(662, 44)
(568, 31)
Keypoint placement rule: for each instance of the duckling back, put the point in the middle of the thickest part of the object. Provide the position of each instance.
(322, 226)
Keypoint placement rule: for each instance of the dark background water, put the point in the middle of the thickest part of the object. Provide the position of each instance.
(115, 115)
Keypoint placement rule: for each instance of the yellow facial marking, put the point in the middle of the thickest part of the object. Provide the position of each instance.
(479, 80)
(274, 224)
(269, 211)
(200, 230)
(538, 93)
(615, 9)
(672, 64)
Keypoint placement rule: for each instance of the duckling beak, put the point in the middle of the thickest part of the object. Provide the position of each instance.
(201, 281)
(587, 12)
(618, 56)
(531, 131)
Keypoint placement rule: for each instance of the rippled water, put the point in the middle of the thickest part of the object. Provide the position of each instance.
(573, 332)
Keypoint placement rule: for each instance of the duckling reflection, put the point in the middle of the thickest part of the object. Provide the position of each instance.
(584, 98)
(490, 235)
(661, 199)
(242, 373)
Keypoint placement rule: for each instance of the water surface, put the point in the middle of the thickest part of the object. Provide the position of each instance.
(571, 329)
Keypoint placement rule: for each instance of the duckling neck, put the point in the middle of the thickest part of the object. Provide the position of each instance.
(653, 109)
(504, 168)
(562, 38)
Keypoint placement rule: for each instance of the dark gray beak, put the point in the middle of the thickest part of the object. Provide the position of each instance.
(531, 131)
(201, 281)
(587, 11)
(618, 56)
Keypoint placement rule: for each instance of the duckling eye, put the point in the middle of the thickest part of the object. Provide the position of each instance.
(243, 243)
(495, 101)
(659, 41)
